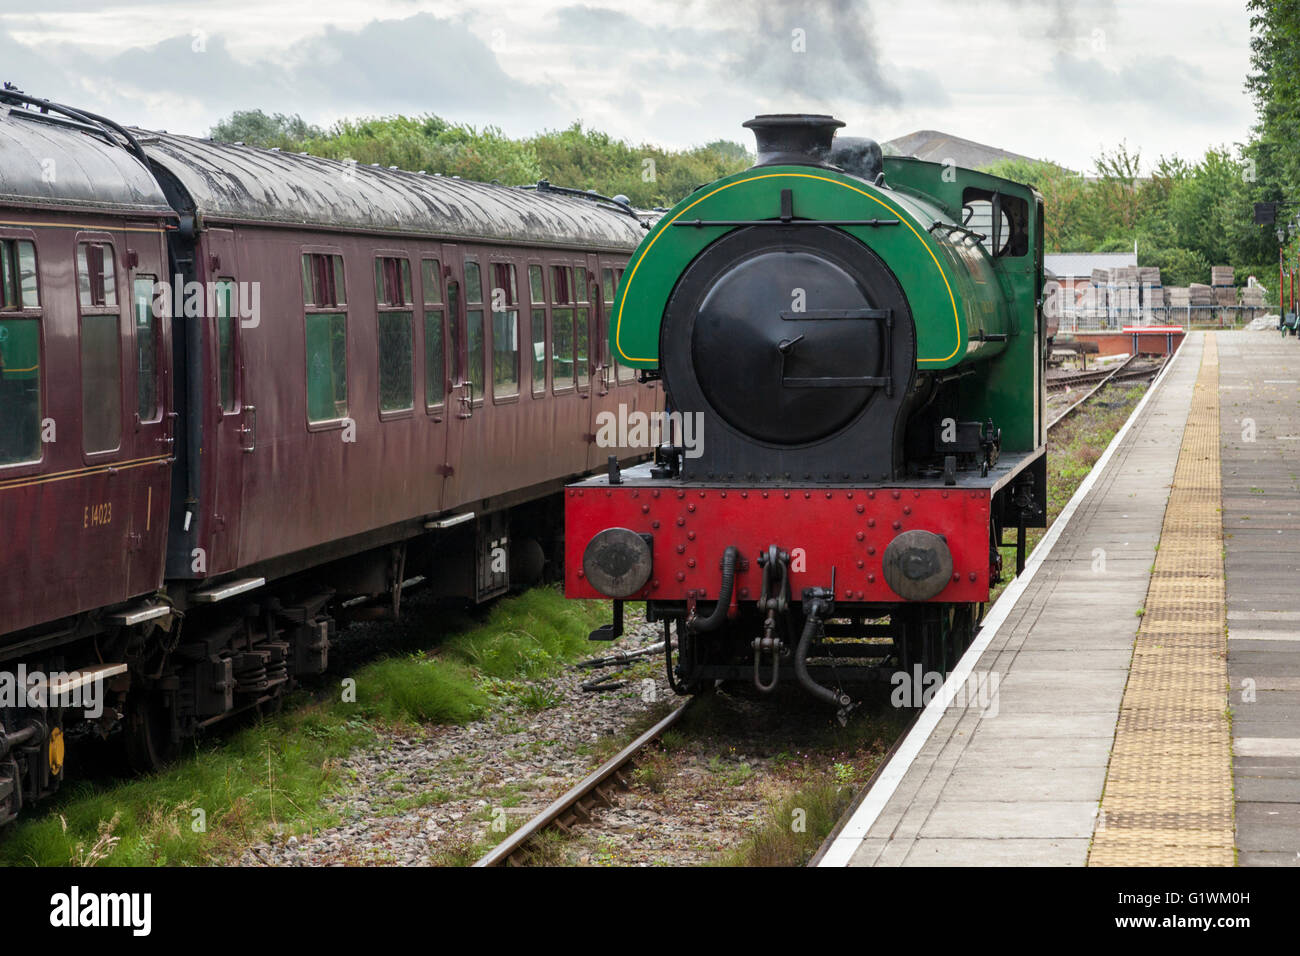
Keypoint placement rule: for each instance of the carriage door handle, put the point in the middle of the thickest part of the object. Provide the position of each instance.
(249, 432)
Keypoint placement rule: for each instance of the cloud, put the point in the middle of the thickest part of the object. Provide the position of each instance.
(822, 50)
(1068, 24)
(1162, 84)
(726, 58)
(420, 63)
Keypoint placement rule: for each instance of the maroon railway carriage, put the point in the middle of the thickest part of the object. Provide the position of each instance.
(243, 391)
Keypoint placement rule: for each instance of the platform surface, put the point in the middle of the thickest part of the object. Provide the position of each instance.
(1018, 778)
(1259, 390)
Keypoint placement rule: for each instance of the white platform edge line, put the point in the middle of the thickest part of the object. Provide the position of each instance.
(859, 825)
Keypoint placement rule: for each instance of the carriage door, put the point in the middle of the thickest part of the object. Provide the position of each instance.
(439, 294)
(604, 381)
(149, 390)
(231, 413)
(465, 405)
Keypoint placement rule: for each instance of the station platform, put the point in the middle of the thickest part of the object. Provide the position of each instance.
(1144, 669)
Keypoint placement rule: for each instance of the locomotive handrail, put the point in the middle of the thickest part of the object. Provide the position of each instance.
(885, 381)
(954, 227)
(701, 223)
(543, 186)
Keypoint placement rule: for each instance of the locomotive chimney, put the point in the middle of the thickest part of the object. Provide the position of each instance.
(793, 139)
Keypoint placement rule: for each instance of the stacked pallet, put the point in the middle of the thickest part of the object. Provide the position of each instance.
(1198, 294)
(1252, 296)
(1124, 294)
(1177, 296)
(1100, 284)
(1221, 275)
(1153, 293)
(1221, 278)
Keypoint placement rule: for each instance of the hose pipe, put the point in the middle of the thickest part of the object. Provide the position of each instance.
(811, 625)
(699, 625)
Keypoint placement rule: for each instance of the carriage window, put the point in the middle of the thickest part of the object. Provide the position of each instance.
(227, 347)
(535, 285)
(327, 366)
(625, 372)
(580, 345)
(322, 280)
(101, 382)
(324, 292)
(505, 331)
(146, 348)
(396, 362)
(562, 348)
(20, 386)
(27, 275)
(101, 348)
(609, 286)
(474, 345)
(431, 280)
(9, 287)
(96, 276)
(396, 334)
(539, 351)
(473, 282)
(18, 283)
(20, 354)
(453, 330)
(435, 368)
(562, 284)
(392, 281)
(474, 327)
(537, 294)
(580, 284)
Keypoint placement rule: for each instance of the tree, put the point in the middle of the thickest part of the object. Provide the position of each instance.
(1177, 266)
(577, 157)
(258, 129)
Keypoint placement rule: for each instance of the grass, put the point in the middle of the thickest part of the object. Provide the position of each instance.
(794, 825)
(270, 777)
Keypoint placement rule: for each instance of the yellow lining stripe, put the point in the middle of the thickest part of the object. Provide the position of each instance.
(618, 325)
(81, 472)
(28, 224)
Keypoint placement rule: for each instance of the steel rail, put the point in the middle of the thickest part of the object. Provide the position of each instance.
(1115, 375)
(573, 799)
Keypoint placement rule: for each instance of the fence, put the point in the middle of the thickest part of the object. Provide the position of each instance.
(1217, 316)
(1085, 308)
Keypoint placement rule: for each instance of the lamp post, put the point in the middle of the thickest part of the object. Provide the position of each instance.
(1282, 316)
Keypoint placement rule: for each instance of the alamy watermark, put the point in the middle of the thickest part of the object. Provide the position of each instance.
(637, 429)
(979, 691)
(192, 299)
(59, 689)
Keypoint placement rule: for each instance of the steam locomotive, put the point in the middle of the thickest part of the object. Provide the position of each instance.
(855, 346)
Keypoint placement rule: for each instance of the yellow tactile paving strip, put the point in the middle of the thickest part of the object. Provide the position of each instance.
(1168, 798)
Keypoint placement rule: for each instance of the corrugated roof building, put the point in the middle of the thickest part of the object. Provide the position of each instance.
(1081, 265)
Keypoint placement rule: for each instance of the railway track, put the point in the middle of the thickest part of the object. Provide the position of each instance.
(1131, 370)
(574, 807)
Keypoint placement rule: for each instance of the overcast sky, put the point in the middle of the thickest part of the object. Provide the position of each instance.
(1056, 79)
